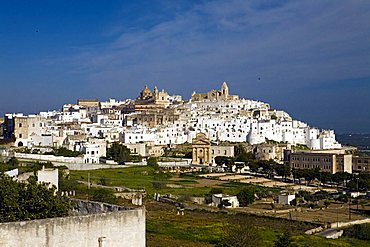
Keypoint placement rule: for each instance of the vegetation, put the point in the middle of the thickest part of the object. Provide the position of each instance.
(28, 166)
(354, 182)
(284, 240)
(359, 232)
(146, 177)
(62, 151)
(152, 162)
(119, 153)
(222, 160)
(241, 155)
(102, 195)
(240, 232)
(28, 201)
(180, 151)
(245, 197)
(204, 228)
(10, 165)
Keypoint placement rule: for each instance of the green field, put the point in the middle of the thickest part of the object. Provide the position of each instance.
(143, 177)
(202, 228)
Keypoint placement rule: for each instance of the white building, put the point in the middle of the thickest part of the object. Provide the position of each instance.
(48, 176)
(91, 153)
(218, 199)
(285, 199)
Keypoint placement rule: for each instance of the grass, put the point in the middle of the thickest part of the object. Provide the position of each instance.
(144, 177)
(133, 177)
(200, 227)
(203, 228)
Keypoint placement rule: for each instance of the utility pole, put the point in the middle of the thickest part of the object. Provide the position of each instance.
(358, 192)
(88, 186)
(349, 207)
(337, 218)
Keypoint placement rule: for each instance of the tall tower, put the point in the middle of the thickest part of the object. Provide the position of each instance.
(225, 90)
(155, 93)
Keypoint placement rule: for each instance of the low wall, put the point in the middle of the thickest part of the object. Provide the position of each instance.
(51, 158)
(84, 166)
(314, 230)
(350, 223)
(118, 228)
(173, 163)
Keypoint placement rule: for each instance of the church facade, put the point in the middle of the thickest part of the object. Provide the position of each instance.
(204, 153)
(214, 95)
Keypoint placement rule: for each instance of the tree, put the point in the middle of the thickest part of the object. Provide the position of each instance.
(284, 240)
(62, 151)
(241, 155)
(240, 232)
(208, 196)
(215, 191)
(267, 167)
(325, 177)
(311, 174)
(222, 160)
(13, 162)
(103, 195)
(359, 231)
(119, 153)
(245, 197)
(28, 201)
(152, 162)
(282, 170)
(253, 166)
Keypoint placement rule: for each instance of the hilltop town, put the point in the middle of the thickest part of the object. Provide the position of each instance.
(157, 119)
(214, 152)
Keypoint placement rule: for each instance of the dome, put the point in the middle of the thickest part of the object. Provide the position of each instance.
(145, 93)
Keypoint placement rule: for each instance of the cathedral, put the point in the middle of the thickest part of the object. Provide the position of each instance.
(214, 95)
(155, 99)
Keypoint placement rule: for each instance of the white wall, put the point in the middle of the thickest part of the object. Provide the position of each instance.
(122, 228)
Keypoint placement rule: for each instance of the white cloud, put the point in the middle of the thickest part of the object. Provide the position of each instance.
(296, 43)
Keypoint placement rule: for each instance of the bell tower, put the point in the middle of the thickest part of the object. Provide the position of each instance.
(224, 90)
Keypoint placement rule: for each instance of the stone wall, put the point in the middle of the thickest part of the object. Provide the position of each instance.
(51, 158)
(350, 223)
(122, 227)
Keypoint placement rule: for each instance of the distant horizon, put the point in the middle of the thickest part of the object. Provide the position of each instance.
(307, 58)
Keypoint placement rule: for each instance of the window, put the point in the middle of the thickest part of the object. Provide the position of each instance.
(20, 135)
(20, 125)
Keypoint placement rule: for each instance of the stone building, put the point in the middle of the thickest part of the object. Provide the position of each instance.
(204, 153)
(24, 128)
(214, 95)
(88, 103)
(152, 117)
(332, 161)
(271, 151)
(361, 164)
(148, 99)
(201, 146)
(150, 109)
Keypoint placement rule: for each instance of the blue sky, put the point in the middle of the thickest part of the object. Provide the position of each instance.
(313, 57)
